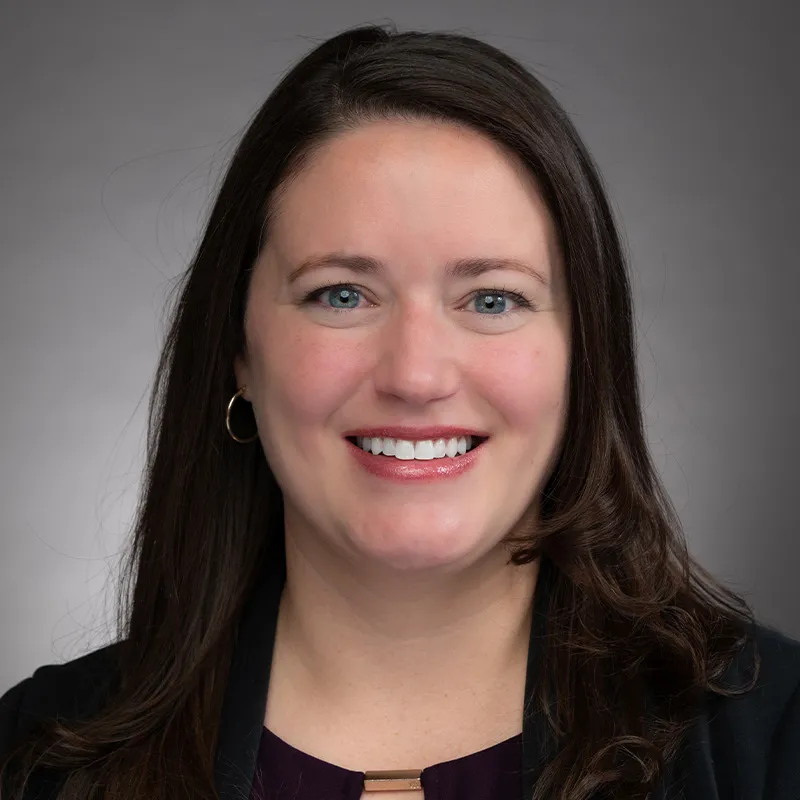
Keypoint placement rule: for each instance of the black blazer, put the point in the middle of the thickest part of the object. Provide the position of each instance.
(742, 748)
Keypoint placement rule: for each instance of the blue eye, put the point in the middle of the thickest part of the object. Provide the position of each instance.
(495, 302)
(491, 303)
(347, 296)
(342, 297)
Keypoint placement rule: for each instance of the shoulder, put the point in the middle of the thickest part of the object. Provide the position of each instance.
(777, 659)
(69, 691)
(746, 745)
(780, 661)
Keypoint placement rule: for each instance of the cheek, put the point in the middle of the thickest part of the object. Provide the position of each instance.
(527, 380)
(308, 376)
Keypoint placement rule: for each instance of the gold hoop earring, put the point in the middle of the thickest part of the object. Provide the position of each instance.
(231, 403)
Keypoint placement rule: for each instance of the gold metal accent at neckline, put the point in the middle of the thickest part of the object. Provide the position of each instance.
(393, 780)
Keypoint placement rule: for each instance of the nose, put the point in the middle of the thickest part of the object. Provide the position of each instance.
(417, 358)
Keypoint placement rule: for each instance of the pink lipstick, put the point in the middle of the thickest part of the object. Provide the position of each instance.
(391, 468)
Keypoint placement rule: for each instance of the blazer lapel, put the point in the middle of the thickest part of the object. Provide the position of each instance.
(245, 699)
(538, 743)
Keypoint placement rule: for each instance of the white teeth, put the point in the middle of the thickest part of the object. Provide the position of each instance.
(425, 450)
(404, 450)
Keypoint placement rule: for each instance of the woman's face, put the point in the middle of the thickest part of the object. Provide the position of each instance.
(382, 306)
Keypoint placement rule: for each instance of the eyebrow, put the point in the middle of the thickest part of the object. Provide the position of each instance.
(456, 268)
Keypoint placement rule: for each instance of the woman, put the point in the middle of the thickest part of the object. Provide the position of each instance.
(399, 511)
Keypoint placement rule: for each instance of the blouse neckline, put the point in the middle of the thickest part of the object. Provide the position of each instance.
(282, 748)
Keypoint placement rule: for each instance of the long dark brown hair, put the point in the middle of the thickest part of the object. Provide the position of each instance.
(637, 631)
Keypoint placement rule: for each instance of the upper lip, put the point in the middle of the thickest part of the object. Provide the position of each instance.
(417, 434)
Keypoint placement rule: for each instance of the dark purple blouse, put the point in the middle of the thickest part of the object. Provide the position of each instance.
(285, 773)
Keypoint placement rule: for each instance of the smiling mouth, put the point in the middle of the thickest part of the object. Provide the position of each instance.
(424, 450)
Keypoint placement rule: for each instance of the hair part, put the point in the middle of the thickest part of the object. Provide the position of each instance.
(637, 631)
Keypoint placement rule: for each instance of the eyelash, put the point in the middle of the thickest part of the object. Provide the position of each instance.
(521, 301)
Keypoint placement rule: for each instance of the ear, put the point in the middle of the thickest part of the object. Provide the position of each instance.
(242, 371)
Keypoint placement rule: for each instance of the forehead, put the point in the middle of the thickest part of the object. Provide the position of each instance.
(417, 188)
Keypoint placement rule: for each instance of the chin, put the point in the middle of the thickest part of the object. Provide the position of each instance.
(406, 550)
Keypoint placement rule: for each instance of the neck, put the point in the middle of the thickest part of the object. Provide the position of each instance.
(371, 641)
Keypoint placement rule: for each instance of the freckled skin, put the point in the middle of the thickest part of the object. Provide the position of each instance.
(416, 352)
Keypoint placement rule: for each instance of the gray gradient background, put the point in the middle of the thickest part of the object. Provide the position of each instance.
(116, 120)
